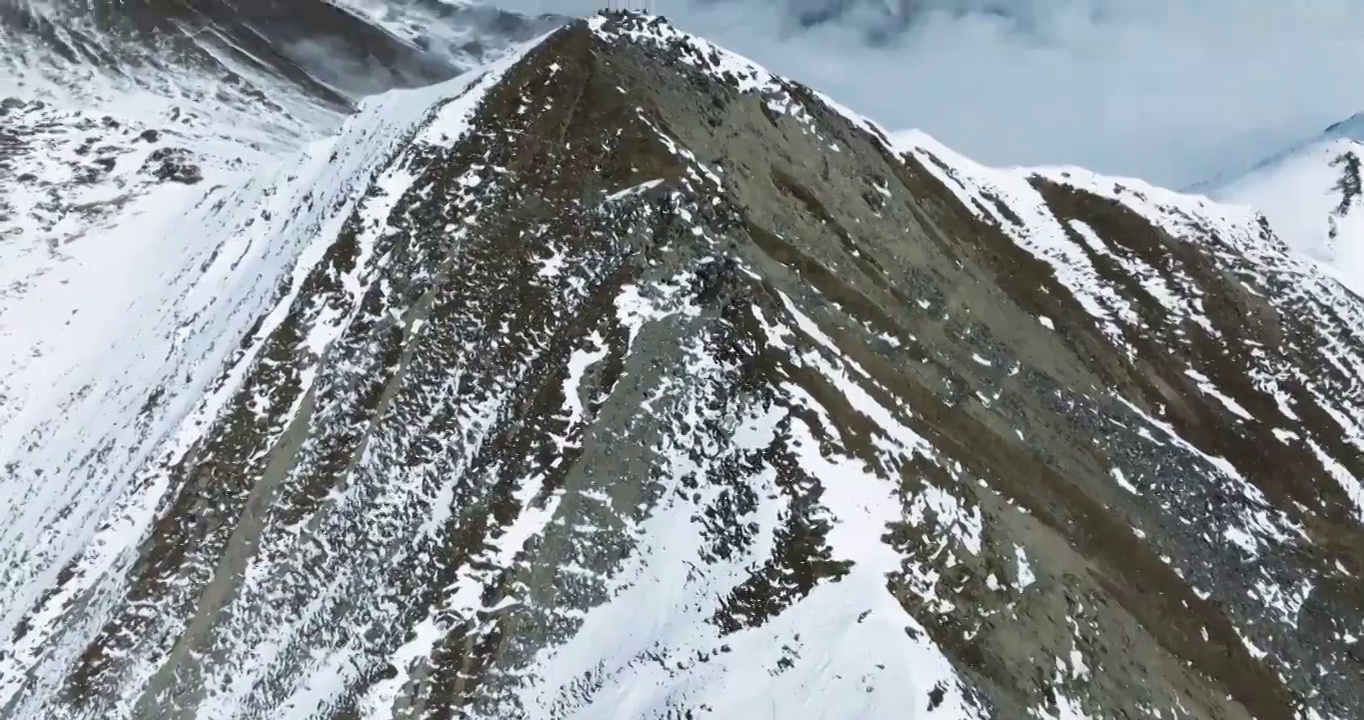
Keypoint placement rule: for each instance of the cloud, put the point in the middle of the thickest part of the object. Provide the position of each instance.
(1168, 90)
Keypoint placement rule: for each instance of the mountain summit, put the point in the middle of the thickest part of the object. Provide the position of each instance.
(1351, 128)
(1313, 195)
(621, 378)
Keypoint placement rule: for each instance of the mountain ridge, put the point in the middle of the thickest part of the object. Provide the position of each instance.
(1351, 127)
(624, 376)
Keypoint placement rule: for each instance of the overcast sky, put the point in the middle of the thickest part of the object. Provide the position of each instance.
(1168, 90)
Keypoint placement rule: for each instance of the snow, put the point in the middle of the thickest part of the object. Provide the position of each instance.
(577, 366)
(1123, 482)
(1248, 543)
(1023, 569)
(142, 293)
(553, 265)
(181, 97)
(964, 524)
(634, 308)
(863, 505)
(165, 292)
(1300, 194)
(1149, 277)
(1354, 489)
(663, 596)
(1208, 387)
(379, 700)
(1287, 603)
(454, 101)
(634, 190)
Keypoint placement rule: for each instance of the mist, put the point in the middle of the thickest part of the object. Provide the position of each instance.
(1173, 91)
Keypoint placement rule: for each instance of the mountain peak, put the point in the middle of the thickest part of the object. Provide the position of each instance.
(1351, 127)
(621, 377)
(1311, 196)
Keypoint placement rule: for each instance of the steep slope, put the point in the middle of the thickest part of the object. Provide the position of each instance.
(128, 334)
(116, 116)
(624, 379)
(1313, 196)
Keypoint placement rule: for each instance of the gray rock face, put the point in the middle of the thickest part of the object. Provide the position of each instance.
(635, 382)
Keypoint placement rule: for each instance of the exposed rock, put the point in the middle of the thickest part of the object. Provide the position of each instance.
(174, 164)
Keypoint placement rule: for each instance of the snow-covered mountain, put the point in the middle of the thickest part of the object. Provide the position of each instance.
(469, 33)
(1313, 197)
(621, 378)
(117, 118)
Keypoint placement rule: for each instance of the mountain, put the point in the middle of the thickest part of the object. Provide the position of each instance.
(1351, 128)
(1312, 195)
(457, 29)
(116, 115)
(621, 378)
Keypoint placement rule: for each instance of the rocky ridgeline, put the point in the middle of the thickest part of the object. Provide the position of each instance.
(625, 379)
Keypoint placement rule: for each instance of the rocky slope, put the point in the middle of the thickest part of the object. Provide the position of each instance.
(623, 379)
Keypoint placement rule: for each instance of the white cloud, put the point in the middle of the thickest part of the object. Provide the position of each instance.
(1168, 90)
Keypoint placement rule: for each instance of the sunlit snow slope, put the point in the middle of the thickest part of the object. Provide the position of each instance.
(1313, 196)
(623, 379)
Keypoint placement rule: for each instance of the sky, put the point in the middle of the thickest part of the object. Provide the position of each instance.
(1172, 91)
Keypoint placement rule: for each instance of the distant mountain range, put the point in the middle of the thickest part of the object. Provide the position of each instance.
(1312, 195)
(425, 361)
